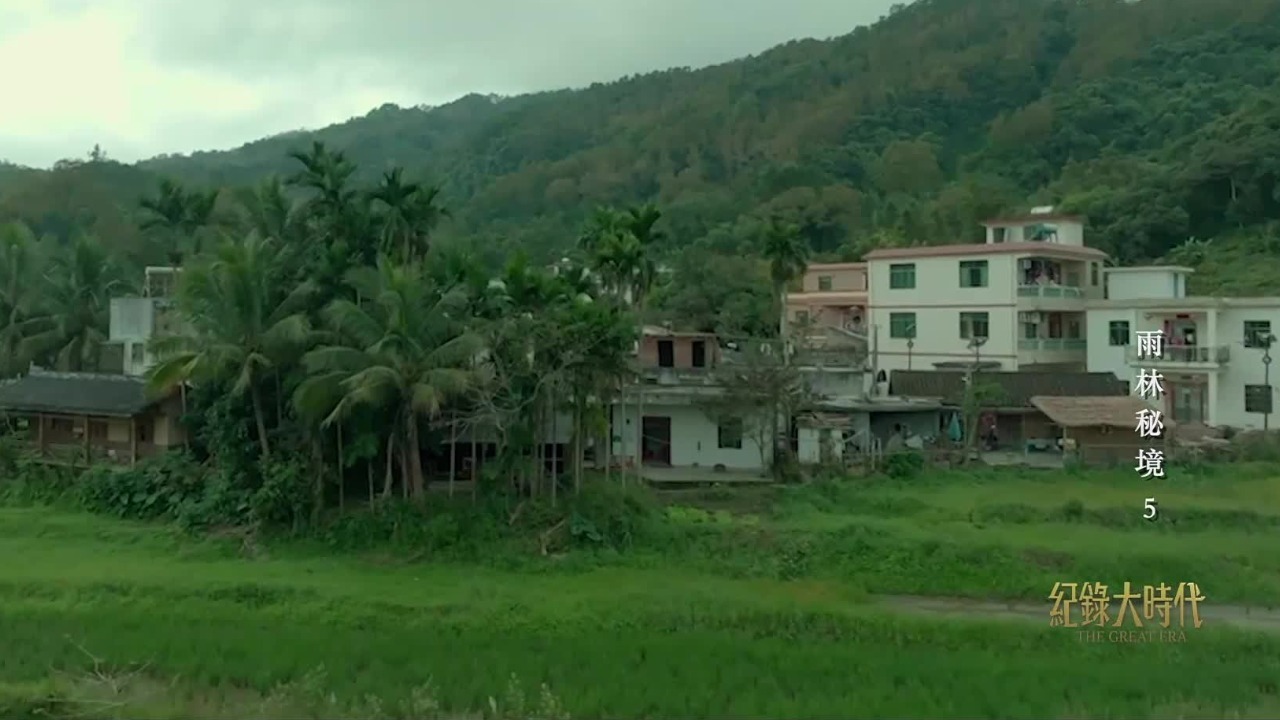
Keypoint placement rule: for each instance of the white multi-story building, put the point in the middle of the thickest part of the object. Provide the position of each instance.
(1214, 362)
(1015, 302)
(134, 320)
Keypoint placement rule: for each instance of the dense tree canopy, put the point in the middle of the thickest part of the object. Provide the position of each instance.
(1157, 119)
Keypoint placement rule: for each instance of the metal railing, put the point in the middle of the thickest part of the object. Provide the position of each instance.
(1052, 344)
(678, 376)
(1184, 354)
(1050, 291)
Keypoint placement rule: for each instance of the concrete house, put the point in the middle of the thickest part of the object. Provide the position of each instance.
(1014, 302)
(1215, 349)
(661, 422)
(135, 320)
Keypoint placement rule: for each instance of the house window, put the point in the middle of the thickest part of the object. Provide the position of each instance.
(902, 325)
(137, 355)
(999, 234)
(824, 283)
(974, 325)
(1093, 274)
(902, 276)
(144, 432)
(802, 317)
(1256, 333)
(1118, 333)
(1257, 398)
(97, 430)
(730, 434)
(973, 273)
(62, 425)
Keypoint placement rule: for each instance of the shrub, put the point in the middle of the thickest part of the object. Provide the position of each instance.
(903, 465)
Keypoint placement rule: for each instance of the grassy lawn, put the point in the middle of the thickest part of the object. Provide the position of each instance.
(739, 612)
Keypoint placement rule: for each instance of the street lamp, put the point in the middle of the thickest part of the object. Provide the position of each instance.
(911, 342)
(1266, 379)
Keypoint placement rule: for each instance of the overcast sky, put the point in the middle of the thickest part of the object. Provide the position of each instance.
(143, 77)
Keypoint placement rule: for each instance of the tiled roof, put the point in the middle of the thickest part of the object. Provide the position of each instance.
(1074, 412)
(1017, 388)
(74, 393)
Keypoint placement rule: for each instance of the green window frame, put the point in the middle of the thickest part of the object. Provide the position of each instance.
(973, 273)
(902, 325)
(902, 276)
(975, 325)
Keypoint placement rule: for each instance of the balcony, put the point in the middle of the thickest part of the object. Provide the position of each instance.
(671, 376)
(1183, 356)
(1050, 291)
(1051, 344)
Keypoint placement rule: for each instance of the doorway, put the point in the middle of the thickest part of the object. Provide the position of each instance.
(655, 448)
(699, 353)
(666, 353)
(1186, 402)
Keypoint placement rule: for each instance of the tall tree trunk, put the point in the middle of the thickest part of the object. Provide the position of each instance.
(607, 404)
(389, 480)
(255, 396)
(342, 473)
(415, 458)
(453, 451)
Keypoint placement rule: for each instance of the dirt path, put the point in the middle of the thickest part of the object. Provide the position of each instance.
(1248, 618)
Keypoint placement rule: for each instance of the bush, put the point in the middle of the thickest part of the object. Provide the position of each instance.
(903, 465)
(171, 486)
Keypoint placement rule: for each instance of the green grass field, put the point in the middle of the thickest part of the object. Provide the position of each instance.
(755, 604)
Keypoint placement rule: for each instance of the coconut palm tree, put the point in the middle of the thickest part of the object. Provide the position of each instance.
(242, 324)
(405, 351)
(788, 257)
(69, 326)
(178, 217)
(17, 293)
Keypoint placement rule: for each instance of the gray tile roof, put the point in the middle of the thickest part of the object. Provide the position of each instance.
(74, 393)
(1017, 387)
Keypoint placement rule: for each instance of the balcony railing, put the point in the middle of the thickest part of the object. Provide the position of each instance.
(842, 357)
(1184, 355)
(1051, 344)
(1050, 291)
(678, 376)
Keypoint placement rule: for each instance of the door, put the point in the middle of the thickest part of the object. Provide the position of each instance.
(656, 446)
(666, 353)
(1186, 403)
(699, 353)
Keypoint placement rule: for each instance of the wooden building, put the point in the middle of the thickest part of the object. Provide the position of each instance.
(89, 417)
(1020, 426)
(1101, 430)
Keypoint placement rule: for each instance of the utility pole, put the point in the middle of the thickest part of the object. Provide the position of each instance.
(1266, 379)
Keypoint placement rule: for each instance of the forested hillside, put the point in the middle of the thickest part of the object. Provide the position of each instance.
(1158, 119)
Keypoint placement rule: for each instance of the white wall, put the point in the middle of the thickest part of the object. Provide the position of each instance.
(809, 445)
(1225, 390)
(1153, 283)
(131, 318)
(1102, 356)
(694, 437)
(1069, 232)
(835, 383)
(937, 300)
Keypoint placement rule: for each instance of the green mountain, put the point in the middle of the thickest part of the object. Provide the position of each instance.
(1158, 119)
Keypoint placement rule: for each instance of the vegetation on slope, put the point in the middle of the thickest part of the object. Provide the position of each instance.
(1154, 118)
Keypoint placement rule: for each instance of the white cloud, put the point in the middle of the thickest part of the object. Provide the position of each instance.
(143, 77)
